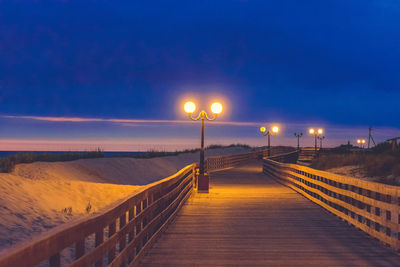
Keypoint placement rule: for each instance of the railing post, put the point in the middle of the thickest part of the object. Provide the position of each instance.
(111, 231)
(122, 223)
(99, 238)
(79, 248)
(55, 260)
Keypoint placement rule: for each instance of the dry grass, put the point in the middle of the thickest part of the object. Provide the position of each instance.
(7, 163)
(379, 162)
(156, 153)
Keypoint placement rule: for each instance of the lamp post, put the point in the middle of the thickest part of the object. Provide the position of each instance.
(320, 141)
(274, 130)
(316, 133)
(298, 135)
(216, 108)
(361, 142)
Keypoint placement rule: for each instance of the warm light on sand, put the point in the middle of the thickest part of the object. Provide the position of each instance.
(189, 107)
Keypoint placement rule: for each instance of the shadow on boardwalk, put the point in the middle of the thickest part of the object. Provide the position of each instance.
(248, 219)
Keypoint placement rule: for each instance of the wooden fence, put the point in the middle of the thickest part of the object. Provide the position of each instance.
(121, 234)
(222, 162)
(372, 207)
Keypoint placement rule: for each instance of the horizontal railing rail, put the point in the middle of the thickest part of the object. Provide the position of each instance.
(120, 235)
(372, 207)
(222, 162)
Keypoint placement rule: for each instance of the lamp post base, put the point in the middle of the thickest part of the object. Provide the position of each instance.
(203, 181)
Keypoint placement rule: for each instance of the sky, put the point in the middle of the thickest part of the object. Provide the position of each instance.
(76, 75)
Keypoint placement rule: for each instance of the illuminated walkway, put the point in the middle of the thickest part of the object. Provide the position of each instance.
(248, 219)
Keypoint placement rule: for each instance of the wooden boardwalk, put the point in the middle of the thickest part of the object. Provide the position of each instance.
(248, 219)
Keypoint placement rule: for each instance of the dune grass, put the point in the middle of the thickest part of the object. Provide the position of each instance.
(378, 162)
(7, 163)
(157, 153)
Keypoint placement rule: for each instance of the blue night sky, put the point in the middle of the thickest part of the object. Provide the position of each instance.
(333, 63)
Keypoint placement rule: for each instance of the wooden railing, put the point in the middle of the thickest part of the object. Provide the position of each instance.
(372, 207)
(116, 237)
(120, 235)
(222, 162)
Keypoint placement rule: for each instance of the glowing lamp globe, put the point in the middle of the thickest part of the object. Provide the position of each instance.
(311, 131)
(262, 129)
(275, 129)
(189, 107)
(320, 131)
(358, 141)
(216, 108)
(363, 141)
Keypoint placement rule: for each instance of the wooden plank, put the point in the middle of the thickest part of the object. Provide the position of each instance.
(99, 239)
(376, 225)
(79, 248)
(131, 246)
(55, 260)
(248, 219)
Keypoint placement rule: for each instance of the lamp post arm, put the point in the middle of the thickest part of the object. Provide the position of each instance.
(202, 115)
(196, 118)
(208, 118)
(266, 133)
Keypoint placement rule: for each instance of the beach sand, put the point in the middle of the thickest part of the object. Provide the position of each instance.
(38, 196)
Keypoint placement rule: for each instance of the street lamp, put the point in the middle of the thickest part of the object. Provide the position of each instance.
(298, 135)
(274, 130)
(190, 108)
(361, 142)
(316, 133)
(320, 141)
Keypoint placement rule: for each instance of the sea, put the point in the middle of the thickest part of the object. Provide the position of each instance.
(107, 154)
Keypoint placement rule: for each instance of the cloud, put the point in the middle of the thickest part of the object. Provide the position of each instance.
(57, 133)
(125, 122)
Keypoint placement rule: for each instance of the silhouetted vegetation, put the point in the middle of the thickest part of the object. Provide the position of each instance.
(7, 163)
(231, 145)
(379, 161)
(156, 153)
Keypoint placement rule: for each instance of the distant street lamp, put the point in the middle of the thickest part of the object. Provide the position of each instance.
(274, 130)
(216, 108)
(320, 141)
(361, 142)
(298, 135)
(316, 133)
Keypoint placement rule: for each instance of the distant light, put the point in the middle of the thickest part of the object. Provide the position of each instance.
(363, 141)
(311, 131)
(358, 141)
(275, 129)
(262, 129)
(216, 108)
(189, 107)
(320, 131)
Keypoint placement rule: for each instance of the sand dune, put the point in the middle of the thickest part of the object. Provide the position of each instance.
(38, 196)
